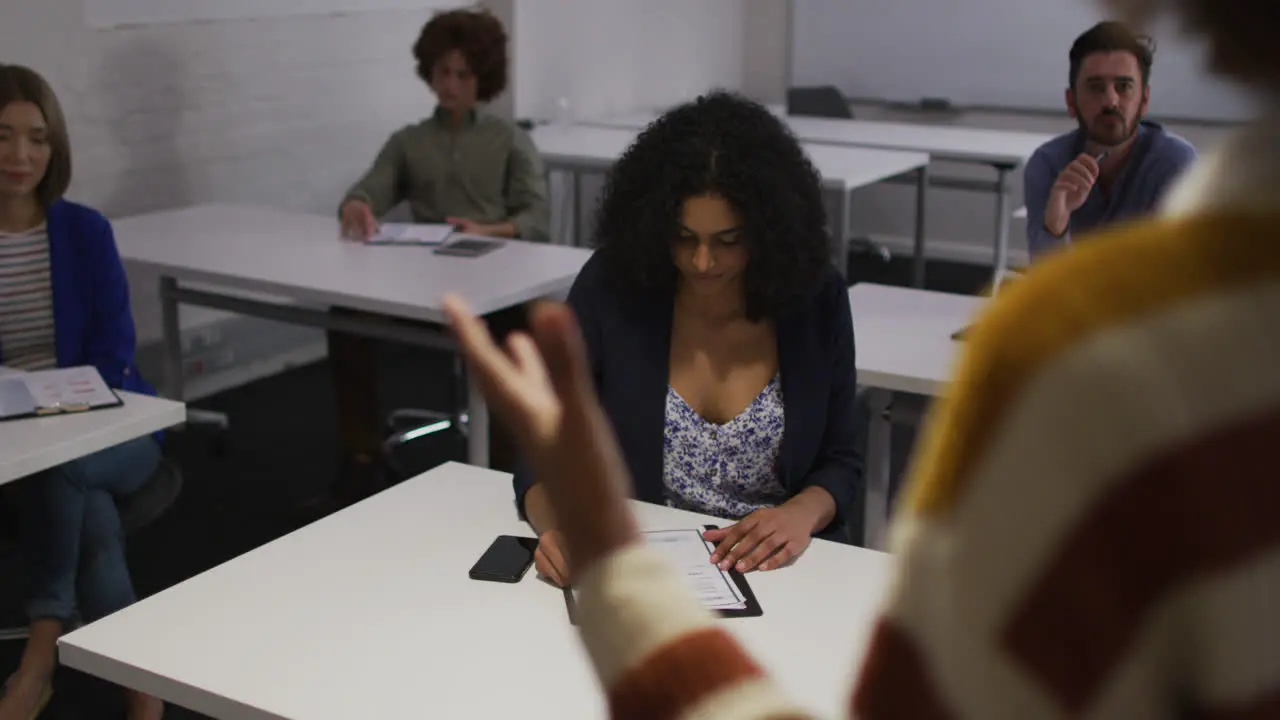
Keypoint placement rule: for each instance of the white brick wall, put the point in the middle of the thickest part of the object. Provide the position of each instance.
(284, 112)
(608, 57)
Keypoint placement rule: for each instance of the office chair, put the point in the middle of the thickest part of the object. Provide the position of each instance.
(824, 101)
(868, 260)
(405, 425)
(137, 511)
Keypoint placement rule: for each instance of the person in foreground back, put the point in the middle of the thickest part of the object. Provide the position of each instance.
(1093, 524)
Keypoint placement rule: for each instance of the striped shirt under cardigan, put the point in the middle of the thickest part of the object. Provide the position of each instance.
(1093, 523)
(26, 300)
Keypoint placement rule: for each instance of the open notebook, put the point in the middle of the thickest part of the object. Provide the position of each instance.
(50, 392)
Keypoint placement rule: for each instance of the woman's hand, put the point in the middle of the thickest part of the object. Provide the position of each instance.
(550, 560)
(769, 538)
(541, 387)
(765, 539)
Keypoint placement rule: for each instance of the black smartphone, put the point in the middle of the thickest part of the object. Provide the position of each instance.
(468, 247)
(506, 560)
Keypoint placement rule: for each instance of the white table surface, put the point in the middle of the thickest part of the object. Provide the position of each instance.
(370, 613)
(30, 445)
(943, 142)
(903, 336)
(846, 167)
(301, 256)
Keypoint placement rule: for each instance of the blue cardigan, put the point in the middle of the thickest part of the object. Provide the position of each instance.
(630, 346)
(92, 321)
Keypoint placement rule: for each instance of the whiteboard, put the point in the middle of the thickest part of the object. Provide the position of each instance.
(1000, 53)
(115, 13)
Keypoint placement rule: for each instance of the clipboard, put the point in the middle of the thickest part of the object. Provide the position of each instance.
(54, 392)
(752, 605)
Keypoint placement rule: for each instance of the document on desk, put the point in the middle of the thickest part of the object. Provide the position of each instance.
(47, 392)
(690, 554)
(428, 234)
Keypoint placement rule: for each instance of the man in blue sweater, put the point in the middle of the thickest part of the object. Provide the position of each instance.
(1116, 165)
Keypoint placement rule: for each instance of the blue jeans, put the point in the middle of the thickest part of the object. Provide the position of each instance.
(74, 542)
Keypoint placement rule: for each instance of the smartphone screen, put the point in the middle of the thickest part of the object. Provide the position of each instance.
(506, 560)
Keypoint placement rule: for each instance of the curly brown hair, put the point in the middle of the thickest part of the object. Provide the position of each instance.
(478, 35)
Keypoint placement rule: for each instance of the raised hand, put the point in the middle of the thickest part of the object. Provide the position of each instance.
(541, 388)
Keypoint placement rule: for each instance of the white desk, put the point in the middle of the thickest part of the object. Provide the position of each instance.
(33, 444)
(300, 257)
(1003, 150)
(575, 148)
(903, 336)
(370, 614)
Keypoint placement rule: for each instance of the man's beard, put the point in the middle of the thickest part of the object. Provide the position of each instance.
(1112, 135)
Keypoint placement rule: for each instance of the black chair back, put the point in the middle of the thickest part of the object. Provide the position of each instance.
(818, 101)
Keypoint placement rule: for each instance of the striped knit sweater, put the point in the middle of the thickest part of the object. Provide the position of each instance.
(1092, 527)
(26, 301)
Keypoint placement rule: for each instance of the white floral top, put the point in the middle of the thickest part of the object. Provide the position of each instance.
(728, 470)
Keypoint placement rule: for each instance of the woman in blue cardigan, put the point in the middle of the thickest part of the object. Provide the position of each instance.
(720, 337)
(64, 301)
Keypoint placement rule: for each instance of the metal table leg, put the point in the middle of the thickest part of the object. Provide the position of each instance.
(842, 227)
(1000, 259)
(477, 426)
(172, 339)
(922, 194)
(172, 342)
(575, 190)
(879, 460)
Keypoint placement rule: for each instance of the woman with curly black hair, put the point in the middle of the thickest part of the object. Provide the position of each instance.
(720, 336)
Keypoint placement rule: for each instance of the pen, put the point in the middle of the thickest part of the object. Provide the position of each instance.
(1101, 156)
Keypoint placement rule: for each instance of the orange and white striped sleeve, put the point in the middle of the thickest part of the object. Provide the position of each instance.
(1092, 527)
(660, 655)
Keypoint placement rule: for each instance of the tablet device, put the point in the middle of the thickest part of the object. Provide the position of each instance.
(469, 246)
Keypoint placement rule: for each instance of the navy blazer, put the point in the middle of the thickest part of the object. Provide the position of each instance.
(629, 345)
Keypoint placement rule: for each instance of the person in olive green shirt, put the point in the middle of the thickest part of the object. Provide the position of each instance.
(464, 166)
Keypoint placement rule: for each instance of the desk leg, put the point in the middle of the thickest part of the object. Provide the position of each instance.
(1001, 258)
(843, 230)
(477, 426)
(922, 193)
(879, 459)
(172, 339)
(575, 190)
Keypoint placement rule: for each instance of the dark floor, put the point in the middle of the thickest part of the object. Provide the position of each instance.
(247, 497)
